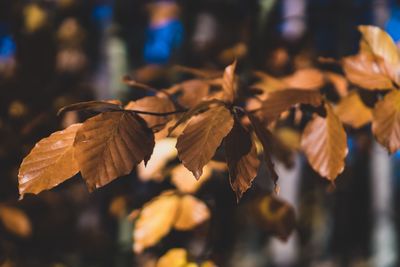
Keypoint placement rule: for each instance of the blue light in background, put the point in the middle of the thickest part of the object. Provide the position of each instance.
(7, 47)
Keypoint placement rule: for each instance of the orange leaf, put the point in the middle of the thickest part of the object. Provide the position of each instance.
(324, 144)
(339, 82)
(191, 212)
(153, 104)
(50, 162)
(386, 121)
(242, 159)
(15, 221)
(109, 145)
(351, 110)
(201, 138)
(176, 257)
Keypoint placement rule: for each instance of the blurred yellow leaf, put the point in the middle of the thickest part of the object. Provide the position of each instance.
(192, 212)
(35, 17)
(352, 111)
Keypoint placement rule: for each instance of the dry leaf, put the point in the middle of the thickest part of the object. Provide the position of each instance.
(15, 221)
(280, 101)
(193, 92)
(153, 104)
(268, 83)
(277, 216)
(242, 159)
(164, 151)
(155, 221)
(386, 121)
(352, 111)
(325, 145)
(50, 162)
(263, 136)
(109, 145)
(191, 212)
(367, 71)
(201, 138)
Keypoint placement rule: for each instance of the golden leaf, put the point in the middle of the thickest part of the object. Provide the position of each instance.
(50, 162)
(307, 79)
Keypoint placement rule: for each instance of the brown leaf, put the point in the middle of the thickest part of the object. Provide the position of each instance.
(264, 136)
(380, 43)
(277, 216)
(109, 145)
(325, 145)
(155, 221)
(280, 101)
(268, 83)
(307, 79)
(153, 104)
(201, 138)
(367, 71)
(242, 159)
(50, 162)
(184, 180)
(191, 212)
(201, 107)
(386, 121)
(97, 106)
(193, 92)
(229, 83)
(352, 111)
(15, 221)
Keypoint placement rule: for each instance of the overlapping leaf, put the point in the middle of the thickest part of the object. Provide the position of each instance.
(386, 121)
(201, 138)
(50, 162)
(242, 159)
(351, 110)
(109, 145)
(153, 104)
(325, 145)
(165, 212)
(279, 101)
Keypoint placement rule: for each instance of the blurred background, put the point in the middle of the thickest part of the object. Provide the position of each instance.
(57, 52)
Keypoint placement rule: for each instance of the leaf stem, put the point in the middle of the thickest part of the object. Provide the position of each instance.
(156, 113)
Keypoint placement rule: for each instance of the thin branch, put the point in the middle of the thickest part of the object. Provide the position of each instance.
(132, 83)
(155, 113)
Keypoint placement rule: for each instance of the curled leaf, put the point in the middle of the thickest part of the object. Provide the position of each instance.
(97, 106)
(242, 159)
(50, 162)
(229, 83)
